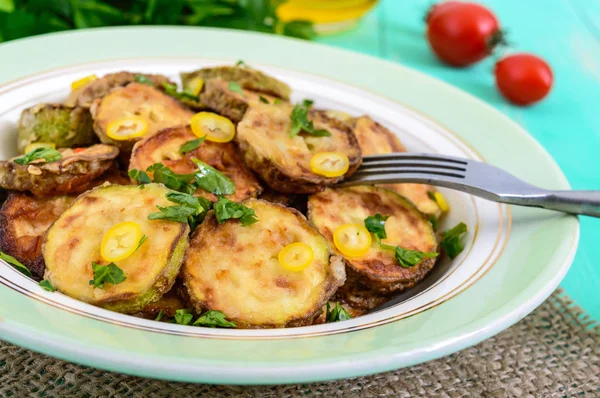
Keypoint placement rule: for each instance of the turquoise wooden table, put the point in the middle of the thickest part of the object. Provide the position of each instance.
(567, 123)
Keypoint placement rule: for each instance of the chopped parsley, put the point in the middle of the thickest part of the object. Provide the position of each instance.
(183, 317)
(300, 122)
(191, 145)
(140, 243)
(434, 222)
(15, 263)
(336, 314)
(452, 240)
(141, 177)
(160, 315)
(176, 182)
(143, 80)
(47, 286)
(240, 62)
(225, 209)
(236, 88)
(171, 89)
(173, 213)
(48, 154)
(376, 225)
(106, 274)
(308, 103)
(212, 180)
(213, 319)
(190, 209)
(263, 99)
(409, 258)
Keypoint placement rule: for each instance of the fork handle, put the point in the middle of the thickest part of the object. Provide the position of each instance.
(575, 202)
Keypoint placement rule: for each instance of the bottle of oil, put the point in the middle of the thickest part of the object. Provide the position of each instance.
(328, 16)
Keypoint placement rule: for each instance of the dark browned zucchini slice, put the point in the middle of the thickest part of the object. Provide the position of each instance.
(64, 126)
(71, 174)
(406, 227)
(164, 147)
(248, 78)
(157, 108)
(73, 242)
(98, 88)
(282, 161)
(375, 139)
(235, 269)
(23, 220)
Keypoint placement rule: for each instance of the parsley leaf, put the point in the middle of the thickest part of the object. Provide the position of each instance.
(409, 258)
(336, 314)
(263, 99)
(197, 202)
(300, 122)
(143, 79)
(176, 182)
(308, 103)
(47, 286)
(241, 63)
(376, 225)
(225, 209)
(106, 274)
(212, 180)
(191, 145)
(141, 177)
(236, 88)
(212, 319)
(183, 317)
(161, 313)
(15, 263)
(48, 154)
(140, 243)
(173, 213)
(451, 240)
(191, 209)
(434, 222)
(171, 89)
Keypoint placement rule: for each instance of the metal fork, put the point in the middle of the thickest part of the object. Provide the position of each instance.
(477, 178)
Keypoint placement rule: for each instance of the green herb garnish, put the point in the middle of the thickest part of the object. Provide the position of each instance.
(336, 314)
(48, 154)
(452, 240)
(191, 209)
(434, 222)
(240, 63)
(300, 122)
(143, 80)
(171, 89)
(308, 103)
(106, 274)
(225, 209)
(409, 258)
(277, 101)
(183, 317)
(176, 182)
(15, 263)
(376, 225)
(47, 286)
(263, 99)
(213, 319)
(173, 213)
(161, 313)
(212, 180)
(191, 145)
(141, 177)
(236, 88)
(140, 243)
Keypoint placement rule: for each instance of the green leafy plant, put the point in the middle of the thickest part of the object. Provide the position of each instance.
(22, 18)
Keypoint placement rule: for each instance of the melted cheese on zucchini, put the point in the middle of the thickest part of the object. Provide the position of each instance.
(235, 269)
(74, 241)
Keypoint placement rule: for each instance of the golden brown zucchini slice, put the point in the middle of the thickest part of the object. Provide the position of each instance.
(85, 95)
(70, 174)
(282, 161)
(236, 270)
(64, 126)
(137, 100)
(248, 78)
(23, 221)
(375, 139)
(73, 242)
(220, 98)
(406, 227)
(164, 147)
(167, 304)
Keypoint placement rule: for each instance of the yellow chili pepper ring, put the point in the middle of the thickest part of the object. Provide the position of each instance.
(120, 241)
(214, 127)
(352, 240)
(127, 128)
(329, 164)
(296, 256)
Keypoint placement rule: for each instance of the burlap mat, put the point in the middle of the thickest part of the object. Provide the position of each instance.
(554, 352)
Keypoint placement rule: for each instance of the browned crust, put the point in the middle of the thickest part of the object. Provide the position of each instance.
(71, 174)
(204, 235)
(278, 178)
(220, 100)
(222, 156)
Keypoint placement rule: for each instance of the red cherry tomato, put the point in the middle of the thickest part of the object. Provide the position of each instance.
(523, 78)
(461, 33)
(440, 7)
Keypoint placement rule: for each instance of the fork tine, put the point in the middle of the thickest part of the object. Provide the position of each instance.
(458, 173)
(441, 179)
(406, 156)
(402, 163)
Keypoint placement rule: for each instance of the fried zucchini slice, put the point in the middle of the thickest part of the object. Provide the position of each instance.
(64, 126)
(85, 95)
(23, 220)
(71, 174)
(375, 139)
(168, 304)
(164, 147)
(236, 270)
(218, 97)
(406, 227)
(73, 242)
(248, 78)
(283, 162)
(137, 100)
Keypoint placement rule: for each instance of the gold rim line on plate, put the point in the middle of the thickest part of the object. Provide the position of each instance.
(440, 129)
